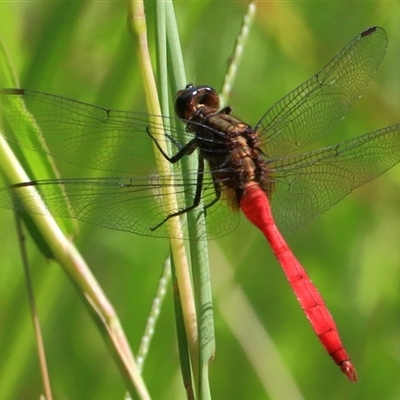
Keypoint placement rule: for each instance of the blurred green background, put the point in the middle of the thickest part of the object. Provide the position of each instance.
(265, 346)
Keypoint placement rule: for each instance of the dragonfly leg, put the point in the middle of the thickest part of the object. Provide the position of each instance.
(185, 150)
(197, 196)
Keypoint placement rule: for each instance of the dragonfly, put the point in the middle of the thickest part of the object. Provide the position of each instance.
(258, 169)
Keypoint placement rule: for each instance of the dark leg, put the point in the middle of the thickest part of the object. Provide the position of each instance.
(186, 150)
(197, 196)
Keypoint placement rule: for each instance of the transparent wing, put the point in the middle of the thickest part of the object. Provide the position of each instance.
(112, 140)
(130, 196)
(308, 184)
(134, 204)
(313, 109)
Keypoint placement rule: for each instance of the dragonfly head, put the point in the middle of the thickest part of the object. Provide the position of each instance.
(193, 99)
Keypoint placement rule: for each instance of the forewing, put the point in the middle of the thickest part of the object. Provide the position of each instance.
(313, 109)
(308, 184)
(112, 140)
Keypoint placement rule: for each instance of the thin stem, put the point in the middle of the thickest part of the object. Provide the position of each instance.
(241, 40)
(35, 319)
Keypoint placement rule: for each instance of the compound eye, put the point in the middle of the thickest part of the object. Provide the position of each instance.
(183, 102)
(189, 99)
(207, 96)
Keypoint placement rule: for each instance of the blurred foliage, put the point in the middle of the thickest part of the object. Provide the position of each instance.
(82, 50)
